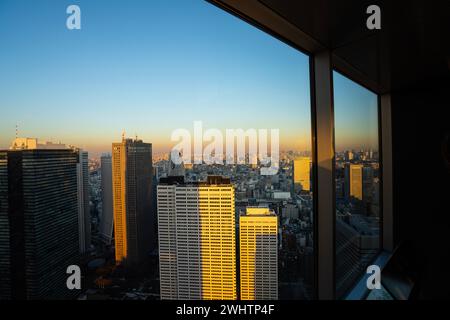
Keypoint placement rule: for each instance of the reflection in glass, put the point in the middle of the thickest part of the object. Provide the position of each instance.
(357, 181)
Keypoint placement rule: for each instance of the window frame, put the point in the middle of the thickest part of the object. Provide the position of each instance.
(321, 57)
(381, 231)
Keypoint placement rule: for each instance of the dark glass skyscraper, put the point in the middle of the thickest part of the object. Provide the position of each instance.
(84, 214)
(38, 222)
(134, 219)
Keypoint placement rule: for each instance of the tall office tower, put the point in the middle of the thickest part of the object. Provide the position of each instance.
(107, 220)
(197, 239)
(167, 237)
(258, 242)
(368, 184)
(349, 155)
(5, 256)
(354, 181)
(84, 210)
(175, 169)
(134, 231)
(38, 220)
(302, 174)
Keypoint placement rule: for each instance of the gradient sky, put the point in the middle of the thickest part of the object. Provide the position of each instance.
(355, 115)
(149, 67)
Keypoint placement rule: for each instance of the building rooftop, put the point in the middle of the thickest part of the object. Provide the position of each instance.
(34, 144)
(258, 211)
(210, 180)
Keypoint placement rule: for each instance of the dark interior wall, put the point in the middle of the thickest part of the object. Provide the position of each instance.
(420, 124)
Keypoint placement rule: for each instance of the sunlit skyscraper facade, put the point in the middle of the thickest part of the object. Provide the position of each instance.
(302, 174)
(197, 239)
(258, 254)
(354, 181)
(135, 235)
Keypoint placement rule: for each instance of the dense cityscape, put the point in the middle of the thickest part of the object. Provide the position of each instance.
(141, 227)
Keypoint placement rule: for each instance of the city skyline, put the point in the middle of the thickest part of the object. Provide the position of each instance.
(119, 77)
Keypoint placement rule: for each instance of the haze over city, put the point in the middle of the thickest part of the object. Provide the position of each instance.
(119, 74)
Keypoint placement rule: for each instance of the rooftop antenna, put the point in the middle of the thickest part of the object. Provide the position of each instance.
(123, 134)
(17, 130)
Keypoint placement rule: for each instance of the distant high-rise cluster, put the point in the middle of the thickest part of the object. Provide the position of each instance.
(214, 232)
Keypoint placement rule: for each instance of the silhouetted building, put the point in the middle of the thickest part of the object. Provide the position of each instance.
(39, 235)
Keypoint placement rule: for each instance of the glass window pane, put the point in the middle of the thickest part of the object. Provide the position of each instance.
(357, 181)
(167, 67)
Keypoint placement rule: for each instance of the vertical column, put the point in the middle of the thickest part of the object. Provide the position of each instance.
(323, 144)
(386, 165)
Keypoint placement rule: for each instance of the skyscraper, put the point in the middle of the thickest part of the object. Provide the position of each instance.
(107, 220)
(302, 174)
(368, 184)
(84, 211)
(354, 181)
(38, 220)
(167, 236)
(349, 155)
(258, 237)
(132, 201)
(197, 239)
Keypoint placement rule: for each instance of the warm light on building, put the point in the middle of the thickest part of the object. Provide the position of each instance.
(132, 178)
(302, 169)
(258, 229)
(197, 242)
(354, 177)
(218, 242)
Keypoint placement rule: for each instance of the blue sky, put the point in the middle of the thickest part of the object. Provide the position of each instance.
(355, 115)
(146, 67)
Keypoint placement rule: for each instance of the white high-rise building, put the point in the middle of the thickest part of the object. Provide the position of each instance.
(107, 220)
(167, 238)
(197, 241)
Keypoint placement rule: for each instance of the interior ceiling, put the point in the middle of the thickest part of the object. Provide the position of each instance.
(412, 49)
